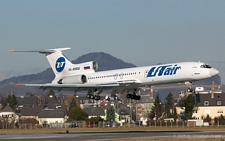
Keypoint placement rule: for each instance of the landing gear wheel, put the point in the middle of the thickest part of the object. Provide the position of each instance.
(96, 97)
(92, 96)
(137, 97)
(132, 96)
(128, 95)
(189, 89)
(88, 96)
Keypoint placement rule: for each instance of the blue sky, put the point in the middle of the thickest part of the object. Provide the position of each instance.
(141, 32)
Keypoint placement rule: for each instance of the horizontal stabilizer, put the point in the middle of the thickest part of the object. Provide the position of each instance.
(47, 51)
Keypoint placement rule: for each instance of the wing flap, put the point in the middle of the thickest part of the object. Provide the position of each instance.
(72, 87)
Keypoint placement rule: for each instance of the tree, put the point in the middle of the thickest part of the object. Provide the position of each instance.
(175, 116)
(72, 104)
(77, 113)
(169, 105)
(11, 101)
(219, 120)
(207, 119)
(222, 119)
(69, 99)
(189, 104)
(110, 115)
(156, 111)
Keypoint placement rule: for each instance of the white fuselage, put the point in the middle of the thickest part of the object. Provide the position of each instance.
(154, 75)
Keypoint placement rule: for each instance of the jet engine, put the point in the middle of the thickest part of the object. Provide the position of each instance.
(94, 65)
(75, 79)
(89, 66)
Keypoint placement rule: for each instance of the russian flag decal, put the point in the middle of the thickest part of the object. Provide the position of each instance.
(87, 68)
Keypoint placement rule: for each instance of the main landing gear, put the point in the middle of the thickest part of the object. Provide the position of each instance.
(94, 94)
(134, 95)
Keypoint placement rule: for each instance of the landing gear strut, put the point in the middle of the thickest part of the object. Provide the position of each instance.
(189, 85)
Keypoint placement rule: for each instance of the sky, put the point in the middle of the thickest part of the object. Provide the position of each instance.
(142, 32)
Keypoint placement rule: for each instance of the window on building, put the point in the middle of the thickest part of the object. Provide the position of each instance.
(195, 111)
(219, 103)
(206, 103)
(220, 111)
(197, 98)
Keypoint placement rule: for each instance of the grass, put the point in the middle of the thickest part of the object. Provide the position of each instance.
(124, 129)
(216, 139)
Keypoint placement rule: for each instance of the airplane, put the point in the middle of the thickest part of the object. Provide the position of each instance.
(83, 76)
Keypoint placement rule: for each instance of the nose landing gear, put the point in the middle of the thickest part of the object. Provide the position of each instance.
(190, 90)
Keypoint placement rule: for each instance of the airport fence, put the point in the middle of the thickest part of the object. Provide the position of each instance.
(102, 124)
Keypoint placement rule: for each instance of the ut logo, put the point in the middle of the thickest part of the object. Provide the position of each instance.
(60, 64)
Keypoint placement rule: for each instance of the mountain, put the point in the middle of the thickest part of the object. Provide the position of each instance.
(105, 62)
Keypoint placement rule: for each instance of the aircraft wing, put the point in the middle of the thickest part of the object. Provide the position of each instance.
(74, 87)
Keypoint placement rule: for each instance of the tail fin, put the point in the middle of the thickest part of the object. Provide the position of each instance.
(58, 62)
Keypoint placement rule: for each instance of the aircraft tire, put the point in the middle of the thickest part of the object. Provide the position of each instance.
(189, 89)
(88, 96)
(132, 96)
(95, 97)
(91, 96)
(128, 95)
(138, 97)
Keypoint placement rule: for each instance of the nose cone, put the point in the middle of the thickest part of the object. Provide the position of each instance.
(213, 72)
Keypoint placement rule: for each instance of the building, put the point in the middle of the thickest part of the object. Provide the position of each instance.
(212, 104)
(95, 112)
(52, 116)
(124, 113)
(143, 107)
(85, 102)
(30, 111)
(8, 115)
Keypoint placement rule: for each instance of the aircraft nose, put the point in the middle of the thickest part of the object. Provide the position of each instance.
(213, 72)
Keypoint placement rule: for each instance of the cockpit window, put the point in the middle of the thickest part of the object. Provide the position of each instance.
(205, 66)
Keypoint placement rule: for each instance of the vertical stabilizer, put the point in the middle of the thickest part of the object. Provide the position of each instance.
(58, 62)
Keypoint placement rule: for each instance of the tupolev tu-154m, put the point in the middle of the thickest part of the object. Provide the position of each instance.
(83, 76)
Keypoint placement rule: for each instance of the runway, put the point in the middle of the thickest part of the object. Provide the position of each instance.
(113, 136)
